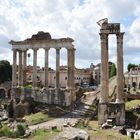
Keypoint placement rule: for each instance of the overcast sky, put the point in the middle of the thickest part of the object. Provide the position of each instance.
(19, 19)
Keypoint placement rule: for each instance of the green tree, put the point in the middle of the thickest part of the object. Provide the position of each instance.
(131, 66)
(113, 70)
(5, 71)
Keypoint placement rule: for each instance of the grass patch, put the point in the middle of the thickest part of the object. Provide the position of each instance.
(81, 124)
(36, 118)
(44, 134)
(109, 134)
(131, 104)
(10, 133)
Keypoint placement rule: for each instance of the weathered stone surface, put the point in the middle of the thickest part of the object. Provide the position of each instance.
(40, 36)
(138, 123)
(37, 41)
(106, 109)
(10, 109)
(114, 111)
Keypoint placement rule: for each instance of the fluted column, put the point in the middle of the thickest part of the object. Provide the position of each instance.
(71, 67)
(57, 84)
(24, 66)
(14, 69)
(104, 68)
(46, 68)
(120, 76)
(20, 69)
(35, 68)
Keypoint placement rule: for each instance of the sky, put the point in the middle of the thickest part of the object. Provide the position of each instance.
(19, 19)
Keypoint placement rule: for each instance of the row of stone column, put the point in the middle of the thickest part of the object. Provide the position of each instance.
(22, 68)
(105, 68)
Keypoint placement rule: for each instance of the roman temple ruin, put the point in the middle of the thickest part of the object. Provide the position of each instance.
(49, 95)
(106, 109)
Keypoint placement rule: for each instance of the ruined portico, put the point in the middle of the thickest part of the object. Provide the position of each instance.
(108, 109)
(36, 42)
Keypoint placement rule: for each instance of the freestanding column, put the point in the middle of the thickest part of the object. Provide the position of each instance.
(35, 68)
(69, 68)
(46, 68)
(20, 69)
(57, 86)
(104, 68)
(120, 83)
(24, 66)
(14, 76)
(70, 71)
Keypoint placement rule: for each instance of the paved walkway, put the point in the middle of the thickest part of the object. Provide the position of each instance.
(70, 133)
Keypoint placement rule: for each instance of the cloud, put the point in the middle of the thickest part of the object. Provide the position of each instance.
(76, 19)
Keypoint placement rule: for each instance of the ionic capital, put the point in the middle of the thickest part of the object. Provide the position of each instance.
(46, 49)
(57, 49)
(71, 49)
(34, 49)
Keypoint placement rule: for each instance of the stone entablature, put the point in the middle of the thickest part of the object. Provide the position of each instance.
(44, 42)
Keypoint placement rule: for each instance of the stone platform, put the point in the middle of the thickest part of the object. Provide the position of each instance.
(62, 97)
(111, 110)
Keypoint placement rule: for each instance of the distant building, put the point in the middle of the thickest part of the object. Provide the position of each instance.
(96, 71)
(132, 78)
(81, 76)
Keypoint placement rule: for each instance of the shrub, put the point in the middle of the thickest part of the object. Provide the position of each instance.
(20, 130)
(5, 131)
(29, 86)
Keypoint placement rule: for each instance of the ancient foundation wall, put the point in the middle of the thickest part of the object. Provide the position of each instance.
(62, 97)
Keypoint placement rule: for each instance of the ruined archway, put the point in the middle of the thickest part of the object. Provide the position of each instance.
(3, 93)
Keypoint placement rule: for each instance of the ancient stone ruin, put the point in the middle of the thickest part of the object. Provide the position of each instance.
(111, 110)
(50, 96)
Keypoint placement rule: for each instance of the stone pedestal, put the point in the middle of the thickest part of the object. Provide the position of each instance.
(102, 113)
(111, 110)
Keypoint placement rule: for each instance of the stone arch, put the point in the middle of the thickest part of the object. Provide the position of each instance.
(3, 93)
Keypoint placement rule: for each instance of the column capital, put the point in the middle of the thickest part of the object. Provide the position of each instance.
(58, 48)
(20, 51)
(14, 49)
(103, 35)
(35, 49)
(71, 49)
(46, 49)
(24, 50)
(120, 35)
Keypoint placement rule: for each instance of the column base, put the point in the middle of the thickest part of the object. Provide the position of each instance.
(119, 101)
(111, 110)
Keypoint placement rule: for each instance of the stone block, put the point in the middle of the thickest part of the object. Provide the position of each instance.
(111, 110)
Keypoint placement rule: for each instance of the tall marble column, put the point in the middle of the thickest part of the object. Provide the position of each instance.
(35, 68)
(46, 69)
(120, 76)
(24, 66)
(104, 68)
(71, 67)
(14, 68)
(57, 84)
(20, 69)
